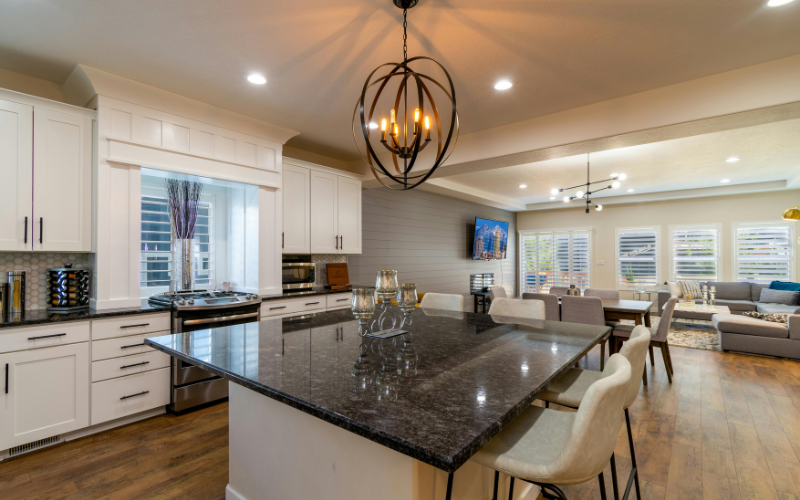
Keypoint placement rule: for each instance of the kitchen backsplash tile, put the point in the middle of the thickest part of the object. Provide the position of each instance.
(320, 261)
(35, 265)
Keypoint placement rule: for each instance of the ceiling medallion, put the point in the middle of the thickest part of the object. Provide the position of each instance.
(408, 130)
(615, 184)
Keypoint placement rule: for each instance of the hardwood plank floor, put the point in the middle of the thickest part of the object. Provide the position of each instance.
(727, 428)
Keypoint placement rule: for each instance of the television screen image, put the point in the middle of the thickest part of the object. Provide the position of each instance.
(491, 240)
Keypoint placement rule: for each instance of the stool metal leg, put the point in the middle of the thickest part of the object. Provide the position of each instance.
(614, 477)
(496, 480)
(634, 471)
(511, 489)
(449, 486)
(602, 487)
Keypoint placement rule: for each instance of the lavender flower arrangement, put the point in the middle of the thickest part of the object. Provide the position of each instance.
(183, 198)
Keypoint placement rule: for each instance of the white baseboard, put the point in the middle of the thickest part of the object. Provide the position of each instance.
(231, 494)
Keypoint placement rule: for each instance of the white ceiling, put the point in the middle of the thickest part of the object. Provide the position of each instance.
(769, 152)
(316, 53)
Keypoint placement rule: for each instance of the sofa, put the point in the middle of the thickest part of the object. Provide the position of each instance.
(738, 296)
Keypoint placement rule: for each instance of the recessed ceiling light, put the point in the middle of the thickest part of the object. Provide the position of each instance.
(631, 190)
(776, 3)
(725, 181)
(733, 159)
(257, 79)
(503, 85)
(552, 197)
(523, 186)
(373, 125)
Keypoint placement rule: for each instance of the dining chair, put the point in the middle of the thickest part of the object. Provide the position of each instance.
(518, 308)
(497, 292)
(445, 301)
(604, 293)
(552, 311)
(558, 291)
(658, 339)
(571, 388)
(588, 311)
(548, 447)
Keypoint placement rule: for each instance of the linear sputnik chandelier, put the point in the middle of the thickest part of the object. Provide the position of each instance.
(408, 130)
(615, 178)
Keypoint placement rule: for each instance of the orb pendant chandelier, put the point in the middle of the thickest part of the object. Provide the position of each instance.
(405, 130)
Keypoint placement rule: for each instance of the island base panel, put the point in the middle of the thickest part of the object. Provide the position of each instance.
(280, 453)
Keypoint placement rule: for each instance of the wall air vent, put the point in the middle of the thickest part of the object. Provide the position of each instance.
(24, 448)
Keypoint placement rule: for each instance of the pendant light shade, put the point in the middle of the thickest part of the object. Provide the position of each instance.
(792, 214)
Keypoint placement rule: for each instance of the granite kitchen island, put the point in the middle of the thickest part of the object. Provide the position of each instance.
(317, 412)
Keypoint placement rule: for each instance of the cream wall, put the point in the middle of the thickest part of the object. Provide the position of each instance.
(723, 210)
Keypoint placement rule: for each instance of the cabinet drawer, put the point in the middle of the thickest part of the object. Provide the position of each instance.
(284, 307)
(338, 301)
(19, 339)
(128, 365)
(124, 396)
(129, 325)
(122, 346)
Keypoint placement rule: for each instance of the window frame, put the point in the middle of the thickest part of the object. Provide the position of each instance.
(678, 227)
(617, 263)
(570, 231)
(735, 226)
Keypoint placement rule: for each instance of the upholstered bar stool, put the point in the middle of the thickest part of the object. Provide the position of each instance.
(497, 292)
(552, 309)
(658, 336)
(549, 447)
(444, 301)
(571, 389)
(517, 308)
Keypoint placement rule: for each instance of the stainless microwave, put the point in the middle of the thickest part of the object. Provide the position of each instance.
(298, 275)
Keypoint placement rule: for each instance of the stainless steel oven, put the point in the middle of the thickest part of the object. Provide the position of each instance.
(298, 276)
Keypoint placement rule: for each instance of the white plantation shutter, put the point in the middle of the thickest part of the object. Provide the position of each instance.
(554, 259)
(695, 253)
(764, 253)
(637, 256)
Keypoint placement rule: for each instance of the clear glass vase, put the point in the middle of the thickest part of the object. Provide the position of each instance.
(182, 259)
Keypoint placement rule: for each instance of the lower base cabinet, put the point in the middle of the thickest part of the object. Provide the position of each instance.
(120, 397)
(45, 393)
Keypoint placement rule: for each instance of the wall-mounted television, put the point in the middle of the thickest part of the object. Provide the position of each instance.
(491, 239)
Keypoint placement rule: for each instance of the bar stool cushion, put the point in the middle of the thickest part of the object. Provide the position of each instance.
(445, 301)
(570, 388)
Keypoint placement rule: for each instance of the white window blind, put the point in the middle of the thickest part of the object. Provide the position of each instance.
(763, 253)
(695, 253)
(557, 258)
(637, 258)
(156, 250)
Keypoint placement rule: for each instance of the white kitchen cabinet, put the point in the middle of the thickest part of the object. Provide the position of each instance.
(45, 393)
(16, 172)
(324, 205)
(62, 181)
(296, 210)
(348, 215)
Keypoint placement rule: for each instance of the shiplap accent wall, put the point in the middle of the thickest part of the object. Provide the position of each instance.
(427, 238)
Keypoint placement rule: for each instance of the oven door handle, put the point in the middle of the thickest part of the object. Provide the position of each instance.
(218, 319)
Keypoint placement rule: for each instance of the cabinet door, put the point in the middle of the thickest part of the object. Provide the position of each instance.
(62, 182)
(48, 393)
(349, 217)
(16, 174)
(296, 217)
(324, 204)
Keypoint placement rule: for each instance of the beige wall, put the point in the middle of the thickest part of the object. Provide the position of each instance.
(723, 210)
(31, 85)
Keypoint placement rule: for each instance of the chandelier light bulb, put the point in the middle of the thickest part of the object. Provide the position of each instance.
(622, 177)
(614, 176)
(523, 186)
(554, 191)
(373, 125)
(615, 184)
(257, 79)
(579, 194)
(566, 199)
(598, 207)
(416, 115)
(427, 123)
(383, 125)
(504, 84)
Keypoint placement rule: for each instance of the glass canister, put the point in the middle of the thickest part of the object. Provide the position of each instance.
(67, 289)
(16, 294)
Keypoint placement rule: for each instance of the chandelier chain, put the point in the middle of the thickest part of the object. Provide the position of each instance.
(405, 35)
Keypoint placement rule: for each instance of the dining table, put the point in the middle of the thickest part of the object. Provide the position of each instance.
(317, 410)
(636, 310)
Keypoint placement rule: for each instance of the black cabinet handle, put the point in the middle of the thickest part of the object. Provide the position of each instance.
(41, 226)
(6, 378)
(341, 300)
(26, 230)
(279, 307)
(134, 326)
(135, 364)
(311, 303)
(132, 345)
(47, 336)
(341, 242)
(134, 395)
(283, 240)
(337, 242)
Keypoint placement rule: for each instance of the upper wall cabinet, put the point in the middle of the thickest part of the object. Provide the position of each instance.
(46, 165)
(321, 210)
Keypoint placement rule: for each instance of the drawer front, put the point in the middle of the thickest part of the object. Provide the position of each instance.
(20, 339)
(129, 325)
(119, 397)
(128, 365)
(122, 346)
(285, 307)
(339, 301)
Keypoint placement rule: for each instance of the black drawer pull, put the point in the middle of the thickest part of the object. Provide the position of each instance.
(134, 395)
(342, 300)
(135, 364)
(311, 303)
(6, 378)
(132, 345)
(41, 229)
(47, 336)
(279, 307)
(134, 326)
(26, 230)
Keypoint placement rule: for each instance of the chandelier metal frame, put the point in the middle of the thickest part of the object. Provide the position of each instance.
(402, 148)
(588, 193)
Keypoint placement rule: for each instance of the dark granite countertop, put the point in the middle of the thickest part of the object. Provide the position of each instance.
(438, 399)
(316, 290)
(41, 316)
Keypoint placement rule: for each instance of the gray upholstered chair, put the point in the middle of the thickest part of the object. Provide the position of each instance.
(603, 293)
(549, 447)
(497, 292)
(588, 311)
(517, 308)
(658, 339)
(445, 301)
(570, 389)
(552, 311)
(558, 291)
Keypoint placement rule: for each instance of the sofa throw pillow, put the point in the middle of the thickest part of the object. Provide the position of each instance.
(691, 288)
(785, 285)
(768, 295)
(774, 318)
(675, 291)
